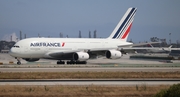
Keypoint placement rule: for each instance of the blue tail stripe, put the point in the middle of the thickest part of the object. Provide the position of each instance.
(123, 23)
(126, 24)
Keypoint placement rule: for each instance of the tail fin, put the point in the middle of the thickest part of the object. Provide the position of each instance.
(123, 28)
(170, 46)
(150, 45)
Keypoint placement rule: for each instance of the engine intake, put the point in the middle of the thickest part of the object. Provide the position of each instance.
(80, 56)
(113, 54)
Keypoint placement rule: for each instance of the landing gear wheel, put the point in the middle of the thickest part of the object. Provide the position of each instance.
(81, 62)
(60, 62)
(71, 62)
(68, 62)
(19, 63)
(76, 62)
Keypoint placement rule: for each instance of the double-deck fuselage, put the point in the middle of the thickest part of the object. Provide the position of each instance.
(41, 47)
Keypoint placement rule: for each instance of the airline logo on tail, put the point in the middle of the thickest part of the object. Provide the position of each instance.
(123, 28)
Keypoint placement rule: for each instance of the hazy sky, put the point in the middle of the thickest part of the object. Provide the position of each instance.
(50, 17)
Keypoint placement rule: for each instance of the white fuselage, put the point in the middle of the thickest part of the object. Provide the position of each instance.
(41, 47)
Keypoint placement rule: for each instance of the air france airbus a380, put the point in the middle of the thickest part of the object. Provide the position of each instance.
(76, 50)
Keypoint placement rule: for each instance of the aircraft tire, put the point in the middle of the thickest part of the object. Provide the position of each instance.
(19, 63)
(60, 62)
(81, 62)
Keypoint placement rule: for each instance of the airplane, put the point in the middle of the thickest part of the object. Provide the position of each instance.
(159, 49)
(77, 50)
(153, 49)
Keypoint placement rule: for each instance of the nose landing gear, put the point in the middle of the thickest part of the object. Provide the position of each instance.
(18, 61)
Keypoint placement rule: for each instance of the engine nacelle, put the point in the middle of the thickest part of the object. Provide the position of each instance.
(113, 54)
(80, 56)
(31, 59)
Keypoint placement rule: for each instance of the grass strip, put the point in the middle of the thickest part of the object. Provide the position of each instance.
(80, 91)
(87, 75)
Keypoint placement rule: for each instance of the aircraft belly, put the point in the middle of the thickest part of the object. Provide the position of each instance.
(62, 56)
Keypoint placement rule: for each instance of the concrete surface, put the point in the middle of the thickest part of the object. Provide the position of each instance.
(6, 58)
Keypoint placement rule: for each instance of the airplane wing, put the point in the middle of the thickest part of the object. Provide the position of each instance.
(131, 48)
(95, 52)
(67, 55)
(139, 44)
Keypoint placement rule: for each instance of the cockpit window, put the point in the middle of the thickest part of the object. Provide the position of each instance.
(16, 46)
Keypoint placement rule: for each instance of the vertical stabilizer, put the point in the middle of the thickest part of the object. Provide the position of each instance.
(123, 28)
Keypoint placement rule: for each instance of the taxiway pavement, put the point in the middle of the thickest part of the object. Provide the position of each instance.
(94, 69)
(90, 82)
(6, 58)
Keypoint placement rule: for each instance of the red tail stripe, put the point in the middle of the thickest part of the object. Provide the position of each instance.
(127, 32)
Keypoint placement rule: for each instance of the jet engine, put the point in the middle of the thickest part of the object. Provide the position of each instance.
(80, 56)
(31, 59)
(113, 54)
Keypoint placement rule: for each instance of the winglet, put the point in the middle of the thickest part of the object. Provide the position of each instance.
(122, 30)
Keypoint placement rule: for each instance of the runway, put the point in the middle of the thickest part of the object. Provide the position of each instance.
(93, 69)
(104, 82)
(97, 65)
(5, 59)
(93, 66)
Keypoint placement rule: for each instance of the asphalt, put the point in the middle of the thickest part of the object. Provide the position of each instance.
(8, 64)
(92, 69)
(90, 82)
(6, 61)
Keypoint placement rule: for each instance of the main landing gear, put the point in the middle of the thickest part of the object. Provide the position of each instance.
(71, 62)
(60, 62)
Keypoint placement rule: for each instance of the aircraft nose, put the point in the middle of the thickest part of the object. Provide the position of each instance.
(12, 52)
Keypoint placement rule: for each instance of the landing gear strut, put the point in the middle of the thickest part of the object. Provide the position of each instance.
(18, 61)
